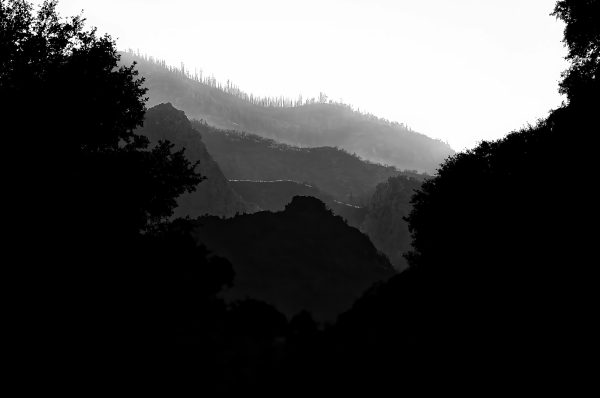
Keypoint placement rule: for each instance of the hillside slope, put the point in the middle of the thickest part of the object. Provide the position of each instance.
(311, 124)
(213, 195)
(302, 258)
(382, 219)
(344, 176)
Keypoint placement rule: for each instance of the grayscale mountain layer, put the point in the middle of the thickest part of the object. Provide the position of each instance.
(311, 124)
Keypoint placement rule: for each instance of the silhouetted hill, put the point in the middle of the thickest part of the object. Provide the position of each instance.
(275, 195)
(382, 219)
(244, 156)
(309, 123)
(384, 222)
(301, 258)
(213, 196)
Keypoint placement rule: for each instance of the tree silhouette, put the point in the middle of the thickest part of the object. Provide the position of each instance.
(498, 291)
(111, 275)
(496, 206)
(500, 288)
(103, 176)
(121, 296)
(582, 37)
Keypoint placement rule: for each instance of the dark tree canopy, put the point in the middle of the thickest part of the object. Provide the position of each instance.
(501, 197)
(52, 65)
(121, 295)
(500, 292)
(582, 37)
(65, 96)
(104, 264)
(582, 32)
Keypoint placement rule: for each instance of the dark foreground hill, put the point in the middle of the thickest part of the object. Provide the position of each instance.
(311, 123)
(303, 258)
(346, 177)
(213, 196)
(382, 219)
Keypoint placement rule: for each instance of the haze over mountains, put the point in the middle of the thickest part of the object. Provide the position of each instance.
(245, 156)
(264, 175)
(272, 149)
(311, 123)
(267, 249)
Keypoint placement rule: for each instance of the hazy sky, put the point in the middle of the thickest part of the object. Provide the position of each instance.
(458, 70)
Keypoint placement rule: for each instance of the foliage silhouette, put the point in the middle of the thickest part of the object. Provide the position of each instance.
(120, 293)
(499, 293)
(582, 37)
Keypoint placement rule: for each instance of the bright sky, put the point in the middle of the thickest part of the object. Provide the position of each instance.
(458, 70)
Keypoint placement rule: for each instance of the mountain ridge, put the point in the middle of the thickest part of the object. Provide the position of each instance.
(310, 124)
(245, 156)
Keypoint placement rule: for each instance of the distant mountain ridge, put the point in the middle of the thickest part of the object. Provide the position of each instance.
(383, 192)
(345, 177)
(311, 124)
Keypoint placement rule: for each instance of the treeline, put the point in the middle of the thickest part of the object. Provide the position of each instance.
(232, 89)
(316, 125)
